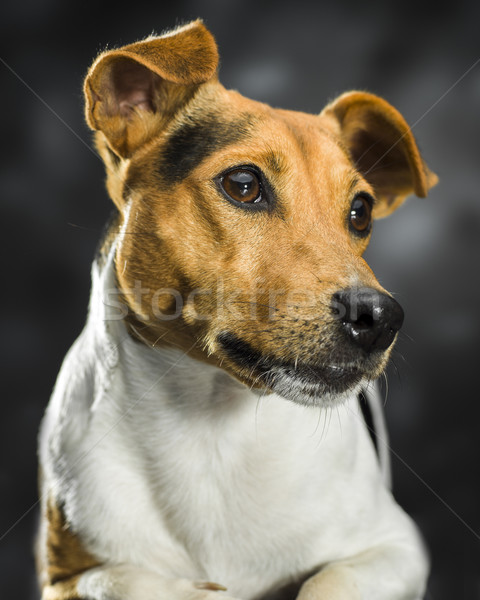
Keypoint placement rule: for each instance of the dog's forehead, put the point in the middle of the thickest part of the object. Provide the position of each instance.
(226, 129)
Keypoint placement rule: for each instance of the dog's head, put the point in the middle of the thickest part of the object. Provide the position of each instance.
(242, 226)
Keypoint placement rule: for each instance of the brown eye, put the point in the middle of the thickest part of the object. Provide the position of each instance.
(361, 214)
(242, 185)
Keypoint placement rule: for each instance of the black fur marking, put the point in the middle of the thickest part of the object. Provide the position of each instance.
(275, 163)
(195, 140)
(241, 352)
(368, 417)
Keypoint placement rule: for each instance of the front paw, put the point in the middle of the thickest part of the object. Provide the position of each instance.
(335, 583)
(125, 582)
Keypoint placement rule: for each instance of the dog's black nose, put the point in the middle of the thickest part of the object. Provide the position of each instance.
(370, 318)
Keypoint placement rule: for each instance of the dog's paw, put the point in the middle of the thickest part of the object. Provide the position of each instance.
(183, 589)
(125, 582)
(332, 583)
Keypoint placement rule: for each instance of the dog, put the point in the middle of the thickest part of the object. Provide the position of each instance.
(209, 434)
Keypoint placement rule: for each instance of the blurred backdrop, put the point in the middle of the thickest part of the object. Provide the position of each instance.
(297, 55)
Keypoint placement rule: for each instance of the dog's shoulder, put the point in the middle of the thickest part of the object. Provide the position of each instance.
(85, 376)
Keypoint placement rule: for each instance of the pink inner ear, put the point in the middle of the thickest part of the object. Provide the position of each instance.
(133, 86)
(134, 98)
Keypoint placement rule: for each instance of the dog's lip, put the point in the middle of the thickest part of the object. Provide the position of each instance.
(332, 375)
(269, 371)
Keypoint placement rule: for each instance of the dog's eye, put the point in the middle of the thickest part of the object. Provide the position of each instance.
(361, 214)
(242, 185)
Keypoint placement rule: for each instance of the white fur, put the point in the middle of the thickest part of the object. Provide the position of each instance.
(173, 468)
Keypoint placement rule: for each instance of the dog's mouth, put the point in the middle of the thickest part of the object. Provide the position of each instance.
(303, 382)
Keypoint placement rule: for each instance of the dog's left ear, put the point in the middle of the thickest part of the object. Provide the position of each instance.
(132, 92)
(382, 147)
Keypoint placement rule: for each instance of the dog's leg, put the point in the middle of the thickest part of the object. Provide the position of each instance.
(126, 582)
(67, 570)
(385, 573)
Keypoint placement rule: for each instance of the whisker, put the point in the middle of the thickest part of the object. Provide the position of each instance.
(385, 377)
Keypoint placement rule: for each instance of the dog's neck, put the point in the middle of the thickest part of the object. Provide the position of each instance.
(145, 370)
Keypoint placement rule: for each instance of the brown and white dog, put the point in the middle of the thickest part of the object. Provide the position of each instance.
(189, 450)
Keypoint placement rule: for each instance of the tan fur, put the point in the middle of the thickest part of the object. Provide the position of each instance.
(184, 236)
(65, 557)
(63, 590)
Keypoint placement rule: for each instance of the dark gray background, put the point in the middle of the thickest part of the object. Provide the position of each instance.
(296, 55)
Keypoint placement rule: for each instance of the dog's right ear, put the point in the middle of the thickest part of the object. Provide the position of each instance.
(132, 92)
(382, 147)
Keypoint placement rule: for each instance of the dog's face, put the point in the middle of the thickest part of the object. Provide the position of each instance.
(242, 226)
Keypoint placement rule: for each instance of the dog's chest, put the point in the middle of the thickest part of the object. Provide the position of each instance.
(239, 492)
(241, 486)
(223, 486)
(226, 477)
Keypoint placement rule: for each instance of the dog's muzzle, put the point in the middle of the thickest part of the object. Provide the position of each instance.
(364, 323)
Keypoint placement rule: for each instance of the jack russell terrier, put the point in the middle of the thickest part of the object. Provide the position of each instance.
(206, 436)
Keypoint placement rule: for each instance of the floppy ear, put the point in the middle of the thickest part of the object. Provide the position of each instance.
(132, 92)
(382, 147)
